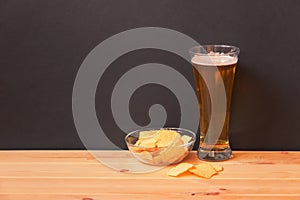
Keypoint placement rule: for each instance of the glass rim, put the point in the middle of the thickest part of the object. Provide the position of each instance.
(195, 50)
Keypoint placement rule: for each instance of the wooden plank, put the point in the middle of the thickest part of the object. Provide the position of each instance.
(71, 164)
(180, 187)
(71, 156)
(231, 171)
(109, 196)
(40, 156)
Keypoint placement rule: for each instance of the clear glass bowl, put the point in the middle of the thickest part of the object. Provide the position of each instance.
(166, 155)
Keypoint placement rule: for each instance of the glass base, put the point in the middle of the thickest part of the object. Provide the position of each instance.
(214, 154)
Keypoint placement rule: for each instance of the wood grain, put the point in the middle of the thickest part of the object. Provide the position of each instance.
(77, 175)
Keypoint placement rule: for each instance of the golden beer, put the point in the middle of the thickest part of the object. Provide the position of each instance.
(214, 71)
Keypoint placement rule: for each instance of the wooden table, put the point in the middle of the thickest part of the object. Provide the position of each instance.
(76, 175)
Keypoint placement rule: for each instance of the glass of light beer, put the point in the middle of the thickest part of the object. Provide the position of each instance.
(214, 69)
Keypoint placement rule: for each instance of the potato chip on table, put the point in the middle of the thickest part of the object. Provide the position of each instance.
(179, 169)
(217, 167)
(204, 170)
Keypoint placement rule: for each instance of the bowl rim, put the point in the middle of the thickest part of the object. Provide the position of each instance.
(162, 128)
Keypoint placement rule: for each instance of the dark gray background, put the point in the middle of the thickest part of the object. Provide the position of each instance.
(43, 43)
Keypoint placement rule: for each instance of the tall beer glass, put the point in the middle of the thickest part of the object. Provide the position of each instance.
(214, 69)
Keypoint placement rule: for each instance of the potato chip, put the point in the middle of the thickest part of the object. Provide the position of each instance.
(186, 139)
(203, 170)
(179, 169)
(218, 168)
(157, 160)
(172, 154)
(138, 142)
(148, 143)
(166, 137)
(136, 149)
(165, 146)
(182, 156)
(173, 151)
(147, 134)
(145, 156)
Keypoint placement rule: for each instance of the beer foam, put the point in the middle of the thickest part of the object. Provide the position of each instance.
(213, 59)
